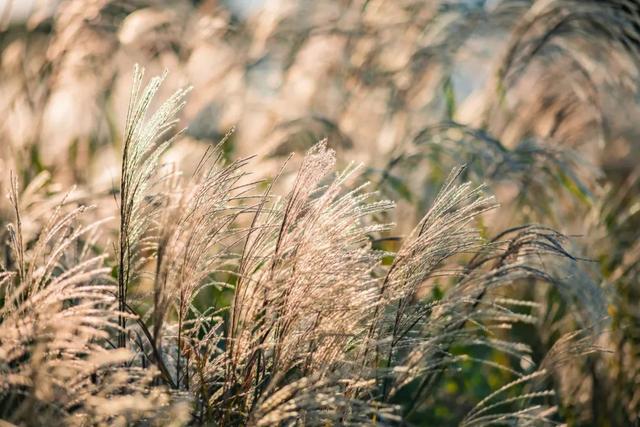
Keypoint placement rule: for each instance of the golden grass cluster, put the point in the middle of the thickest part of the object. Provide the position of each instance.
(320, 327)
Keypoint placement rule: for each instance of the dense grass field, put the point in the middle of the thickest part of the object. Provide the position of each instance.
(329, 212)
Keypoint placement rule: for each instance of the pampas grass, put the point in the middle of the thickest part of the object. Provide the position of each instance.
(322, 327)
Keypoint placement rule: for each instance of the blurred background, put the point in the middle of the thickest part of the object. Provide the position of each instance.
(538, 98)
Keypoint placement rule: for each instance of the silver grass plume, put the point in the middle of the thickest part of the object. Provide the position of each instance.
(144, 143)
(56, 367)
(196, 236)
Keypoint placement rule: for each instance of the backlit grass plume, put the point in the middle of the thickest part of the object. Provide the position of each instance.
(143, 146)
